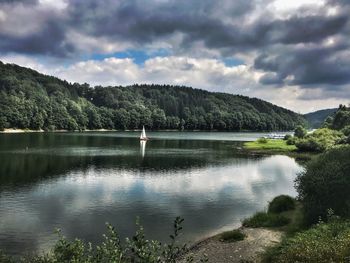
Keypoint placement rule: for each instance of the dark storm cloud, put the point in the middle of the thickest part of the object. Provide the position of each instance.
(307, 65)
(289, 51)
(50, 40)
(133, 21)
(27, 2)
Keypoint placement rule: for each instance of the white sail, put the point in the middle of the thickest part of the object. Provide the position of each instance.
(143, 134)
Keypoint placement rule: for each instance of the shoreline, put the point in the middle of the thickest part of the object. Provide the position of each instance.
(257, 240)
(12, 130)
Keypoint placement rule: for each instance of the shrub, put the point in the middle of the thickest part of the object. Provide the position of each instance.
(323, 243)
(232, 236)
(287, 137)
(263, 219)
(291, 141)
(262, 140)
(281, 203)
(346, 130)
(325, 184)
(300, 132)
(319, 141)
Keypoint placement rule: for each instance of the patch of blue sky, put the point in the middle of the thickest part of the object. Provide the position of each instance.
(232, 62)
(138, 56)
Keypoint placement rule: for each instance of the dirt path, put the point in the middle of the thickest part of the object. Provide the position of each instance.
(246, 250)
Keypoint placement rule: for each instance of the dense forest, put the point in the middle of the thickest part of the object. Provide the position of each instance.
(317, 118)
(30, 100)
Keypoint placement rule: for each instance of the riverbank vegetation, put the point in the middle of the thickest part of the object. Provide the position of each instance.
(323, 192)
(35, 101)
(335, 131)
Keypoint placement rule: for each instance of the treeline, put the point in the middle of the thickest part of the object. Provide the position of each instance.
(30, 100)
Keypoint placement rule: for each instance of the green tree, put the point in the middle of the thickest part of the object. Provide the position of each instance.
(325, 184)
(300, 132)
(3, 123)
(159, 119)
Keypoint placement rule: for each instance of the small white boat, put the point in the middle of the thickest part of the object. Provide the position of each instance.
(143, 136)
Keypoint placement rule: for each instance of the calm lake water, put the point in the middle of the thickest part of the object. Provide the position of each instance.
(79, 181)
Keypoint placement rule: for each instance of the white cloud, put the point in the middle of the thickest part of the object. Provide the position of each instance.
(288, 5)
(57, 4)
(25, 61)
(208, 74)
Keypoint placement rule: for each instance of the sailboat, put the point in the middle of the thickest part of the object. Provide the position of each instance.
(143, 136)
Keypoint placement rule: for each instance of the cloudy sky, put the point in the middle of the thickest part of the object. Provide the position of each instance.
(294, 53)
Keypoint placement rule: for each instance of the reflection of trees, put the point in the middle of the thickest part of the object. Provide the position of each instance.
(27, 158)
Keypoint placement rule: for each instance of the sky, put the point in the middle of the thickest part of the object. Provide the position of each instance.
(293, 53)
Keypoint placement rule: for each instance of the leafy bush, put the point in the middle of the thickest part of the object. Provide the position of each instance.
(325, 184)
(300, 132)
(319, 141)
(287, 137)
(323, 243)
(136, 249)
(291, 141)
(262, 140)
(281, 203)
(346, 130)
(232, 236)
(263, 219)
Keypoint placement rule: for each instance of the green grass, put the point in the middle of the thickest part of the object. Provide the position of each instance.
(269, 145)
(232, 236)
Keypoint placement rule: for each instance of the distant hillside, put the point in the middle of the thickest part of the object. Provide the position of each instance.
(32, 100)
(316, 118)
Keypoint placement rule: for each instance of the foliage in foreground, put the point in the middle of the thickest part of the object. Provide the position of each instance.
(137, 249)
(232, 236)
(323, 243)
(325, 184)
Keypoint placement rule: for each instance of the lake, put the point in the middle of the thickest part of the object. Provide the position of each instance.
(79, 181)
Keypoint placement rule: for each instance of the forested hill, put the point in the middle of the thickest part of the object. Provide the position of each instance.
(316, 118)
(32, 100)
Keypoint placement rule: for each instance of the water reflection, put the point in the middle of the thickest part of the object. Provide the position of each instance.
(78, 184)
(143, 148)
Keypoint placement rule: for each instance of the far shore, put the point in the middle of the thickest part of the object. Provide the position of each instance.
(13, 130)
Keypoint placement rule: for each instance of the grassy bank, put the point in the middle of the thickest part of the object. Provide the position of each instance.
(269, 145)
